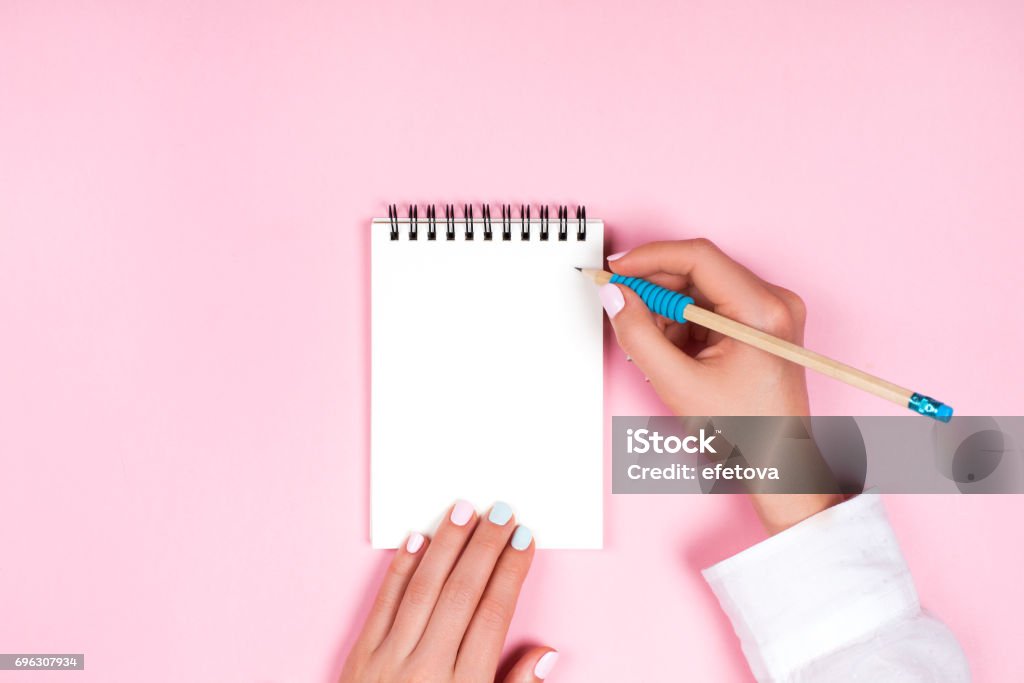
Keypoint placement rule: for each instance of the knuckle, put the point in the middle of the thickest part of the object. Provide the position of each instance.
(629, 337)
(388, 600)
(493, 614)
(452, 542)
(796, 303)
(461, 594)
(703, 244)
(623, 336)
(799, 307)
(452, 539)
(778, 319)
(492, 543)
(400, 569)
(419, 594)
(513, 573)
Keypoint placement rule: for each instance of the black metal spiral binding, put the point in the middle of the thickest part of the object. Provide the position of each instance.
(467, 213)
(486, 212)
(506, 222)
(393, 218)
(525, 220)
(449, 219)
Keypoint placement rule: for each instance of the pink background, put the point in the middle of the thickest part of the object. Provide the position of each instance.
(184, 199)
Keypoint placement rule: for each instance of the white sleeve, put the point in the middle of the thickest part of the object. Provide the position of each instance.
(831, 599)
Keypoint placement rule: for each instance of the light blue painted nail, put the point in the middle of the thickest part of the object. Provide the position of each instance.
(521, 538)
(500, 513)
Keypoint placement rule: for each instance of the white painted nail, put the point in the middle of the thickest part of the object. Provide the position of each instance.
(545, 664)
(461, 513)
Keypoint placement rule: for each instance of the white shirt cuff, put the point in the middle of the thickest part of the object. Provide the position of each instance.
(819, 586)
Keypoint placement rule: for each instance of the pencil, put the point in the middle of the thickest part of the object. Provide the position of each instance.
(678, 307)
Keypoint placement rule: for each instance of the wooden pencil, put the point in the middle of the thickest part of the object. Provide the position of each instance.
(776, 346)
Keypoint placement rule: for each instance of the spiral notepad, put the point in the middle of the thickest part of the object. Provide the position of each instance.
(486, 370)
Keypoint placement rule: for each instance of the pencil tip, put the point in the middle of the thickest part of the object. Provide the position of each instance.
(578, 268)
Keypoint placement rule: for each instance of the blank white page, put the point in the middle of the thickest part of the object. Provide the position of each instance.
(486, 380)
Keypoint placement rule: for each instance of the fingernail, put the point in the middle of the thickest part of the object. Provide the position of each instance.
(415, 542)
(616, 257)
(611, 299)
(461, 513)
(545, 664)
(500, 513)
(521, 538)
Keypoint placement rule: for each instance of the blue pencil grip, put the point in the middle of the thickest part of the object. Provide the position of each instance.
(662, 301)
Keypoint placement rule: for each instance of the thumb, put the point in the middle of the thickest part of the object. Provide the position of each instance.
(534, 665)
(642, 340)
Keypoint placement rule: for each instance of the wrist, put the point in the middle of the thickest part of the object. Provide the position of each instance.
(779, 511)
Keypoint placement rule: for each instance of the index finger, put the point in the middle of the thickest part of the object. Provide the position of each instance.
(723, 281)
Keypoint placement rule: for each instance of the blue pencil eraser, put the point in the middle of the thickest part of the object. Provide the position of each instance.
(929, 407)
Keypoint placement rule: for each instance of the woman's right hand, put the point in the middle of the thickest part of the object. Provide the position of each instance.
(695, 371)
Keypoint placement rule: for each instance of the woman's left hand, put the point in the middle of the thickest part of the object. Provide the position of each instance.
(445, 605)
